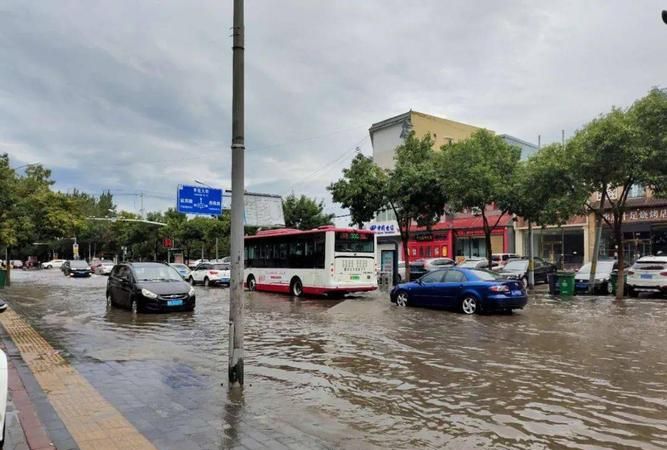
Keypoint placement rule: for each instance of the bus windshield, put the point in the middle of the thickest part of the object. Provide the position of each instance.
(354, 242)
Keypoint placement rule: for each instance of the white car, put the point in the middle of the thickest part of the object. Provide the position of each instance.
(648, 274)
(196, 262)
(208, 274)
(104, 267)
(53, 264)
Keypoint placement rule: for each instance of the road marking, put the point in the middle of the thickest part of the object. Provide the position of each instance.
(92, 421)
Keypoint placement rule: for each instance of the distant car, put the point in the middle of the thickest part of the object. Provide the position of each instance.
(467, 290)
(16, 263)
(76, 268)
(500, 259)
(517, 269)
(149, 287)
(648, 274)
(474, 263)
(103, 267)
(182, 269)
(422, 266)
(209, 274)
(53, 264)
(196, 262)
(603, 273)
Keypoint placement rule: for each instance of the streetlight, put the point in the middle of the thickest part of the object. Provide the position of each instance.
(204, 184)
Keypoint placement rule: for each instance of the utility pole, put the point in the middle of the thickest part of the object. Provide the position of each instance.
(238, 189)
(531, 248)
(216, 249)
(141, 211)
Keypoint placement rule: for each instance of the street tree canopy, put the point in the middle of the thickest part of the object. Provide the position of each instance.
(305, 213)
(478, 172)
(362, 189)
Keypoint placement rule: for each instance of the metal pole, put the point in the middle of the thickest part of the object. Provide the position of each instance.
(238, 190)
(531, 256)
(216, 249)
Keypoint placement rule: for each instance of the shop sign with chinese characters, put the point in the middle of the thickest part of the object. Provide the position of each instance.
(641, 215)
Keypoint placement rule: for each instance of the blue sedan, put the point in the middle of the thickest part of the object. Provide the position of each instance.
(468, 290)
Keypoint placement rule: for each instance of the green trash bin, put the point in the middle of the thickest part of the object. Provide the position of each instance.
(566, 283)
(613, 280)
(3, 277)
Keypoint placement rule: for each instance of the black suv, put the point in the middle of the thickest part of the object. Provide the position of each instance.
(149, 287)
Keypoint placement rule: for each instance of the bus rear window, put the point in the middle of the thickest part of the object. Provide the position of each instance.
(354, 242)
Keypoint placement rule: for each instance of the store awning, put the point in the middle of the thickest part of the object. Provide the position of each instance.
(465, 223)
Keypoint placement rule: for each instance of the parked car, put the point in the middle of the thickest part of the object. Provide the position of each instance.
(474, 263)
(103, 267)
(144, 287)
(468, 290)
(16, 264)
(209, 274)
(422, 266)
(648, 274)
(76, 268)
(53, 264)
(196, 262)
(182, 269)
(402, 276)
(603, 273)
(517, 269)
(500, 259)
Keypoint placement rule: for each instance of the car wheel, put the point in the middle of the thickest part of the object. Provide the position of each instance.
(402, 299)
(135, 307)
(207, 282)
(192, 281)
(524, 282)
(296, 288)
(469, 305)
(251, 283)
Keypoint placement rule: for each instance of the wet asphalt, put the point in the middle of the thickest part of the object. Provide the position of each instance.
(586, 372)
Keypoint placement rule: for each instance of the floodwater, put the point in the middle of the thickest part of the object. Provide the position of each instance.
(583, 373)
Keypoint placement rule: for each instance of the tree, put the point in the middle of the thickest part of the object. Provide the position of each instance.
(414, 190)
(305, 213)
(616, 151)
(479, 172)
(362, 189)
(544, 192)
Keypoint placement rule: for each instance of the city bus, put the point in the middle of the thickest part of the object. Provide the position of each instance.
(325, 260)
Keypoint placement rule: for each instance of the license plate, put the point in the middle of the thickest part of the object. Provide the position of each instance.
(174, 302)
(647, 276)
(355, 277)
(517, 293)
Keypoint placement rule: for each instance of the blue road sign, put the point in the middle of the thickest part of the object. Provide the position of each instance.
(199, 200)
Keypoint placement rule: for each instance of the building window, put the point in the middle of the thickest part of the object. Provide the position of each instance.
(636, 191)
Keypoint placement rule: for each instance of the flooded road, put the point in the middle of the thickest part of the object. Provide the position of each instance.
(362, 373)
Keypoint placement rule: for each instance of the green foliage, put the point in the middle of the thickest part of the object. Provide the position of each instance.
(545, 191)
(478, 172)
(304, 213)
(362, 189)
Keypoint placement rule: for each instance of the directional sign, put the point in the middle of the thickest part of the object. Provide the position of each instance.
(199, 200)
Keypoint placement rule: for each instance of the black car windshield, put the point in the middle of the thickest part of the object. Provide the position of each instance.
(485, 275)
(517, 265)
(156, 273)
(78, 264)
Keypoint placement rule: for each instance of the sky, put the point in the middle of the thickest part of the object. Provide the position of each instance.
(135, 96)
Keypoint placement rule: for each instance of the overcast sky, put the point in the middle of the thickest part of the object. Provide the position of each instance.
(135, 96)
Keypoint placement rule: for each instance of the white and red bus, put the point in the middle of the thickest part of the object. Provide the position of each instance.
(326, 260)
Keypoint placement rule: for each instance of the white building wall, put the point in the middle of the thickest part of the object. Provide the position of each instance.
(385, 142)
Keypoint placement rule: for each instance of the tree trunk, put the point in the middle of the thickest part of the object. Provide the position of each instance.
(487, 239)
(405, 237)
(618, 236)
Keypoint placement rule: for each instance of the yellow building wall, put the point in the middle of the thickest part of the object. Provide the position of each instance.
(443, 131)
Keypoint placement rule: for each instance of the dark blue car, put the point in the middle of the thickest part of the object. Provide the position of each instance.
(467, 290)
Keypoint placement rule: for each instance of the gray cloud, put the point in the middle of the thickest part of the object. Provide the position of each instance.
(136, 96)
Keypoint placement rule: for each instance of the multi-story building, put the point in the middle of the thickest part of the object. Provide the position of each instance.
(458, 235)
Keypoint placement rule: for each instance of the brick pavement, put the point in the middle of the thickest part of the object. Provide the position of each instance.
(92, 421)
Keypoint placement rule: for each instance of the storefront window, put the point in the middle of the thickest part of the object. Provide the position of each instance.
(563, 247)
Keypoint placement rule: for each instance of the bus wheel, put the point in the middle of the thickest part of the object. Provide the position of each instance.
(251, 283)
(296, 287)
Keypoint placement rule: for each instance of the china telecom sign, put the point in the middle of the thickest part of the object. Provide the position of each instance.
(199, 200)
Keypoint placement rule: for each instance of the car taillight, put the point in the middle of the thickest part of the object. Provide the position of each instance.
(664, 274)
(631, 272)
(212, 272)
(501, 288)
